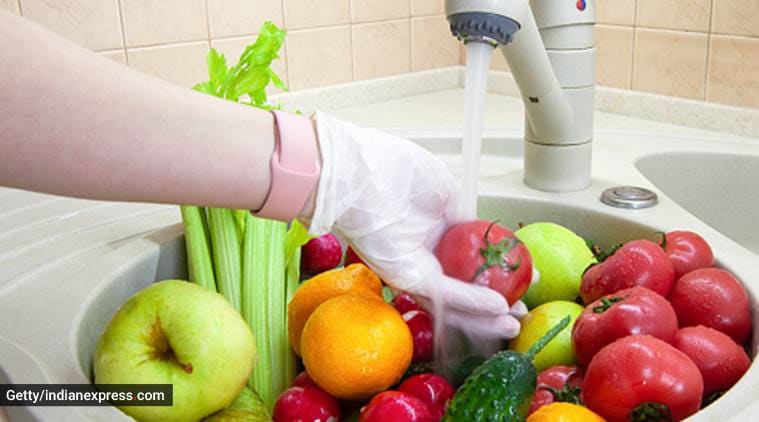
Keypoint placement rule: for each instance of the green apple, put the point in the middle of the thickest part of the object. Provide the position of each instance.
(537, 322)
(560, 257)
(246, 407)
(175, 332)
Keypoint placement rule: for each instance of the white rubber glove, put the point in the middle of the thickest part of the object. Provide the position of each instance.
(392, 201)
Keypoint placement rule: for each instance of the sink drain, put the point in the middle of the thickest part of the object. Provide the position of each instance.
(629, 197)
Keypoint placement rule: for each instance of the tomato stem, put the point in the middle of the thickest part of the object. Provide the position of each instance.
(602, 255)
(495, 253)
(651, 412)
(606, 303)
(567, 393)
(663, 242)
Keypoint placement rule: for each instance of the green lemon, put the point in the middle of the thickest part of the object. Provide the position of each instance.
(560, 257)
(537, 322)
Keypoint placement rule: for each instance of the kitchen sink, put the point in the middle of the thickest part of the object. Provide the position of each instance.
(720, 189)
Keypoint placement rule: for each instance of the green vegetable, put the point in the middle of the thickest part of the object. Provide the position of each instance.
(253, 262)
(501, 389)
(246, 407)
(198, 244)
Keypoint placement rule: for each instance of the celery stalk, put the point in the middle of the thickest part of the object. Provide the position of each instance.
(255, 298)
(198, 247)
(295, 237)
(277, 307)
(226, 253)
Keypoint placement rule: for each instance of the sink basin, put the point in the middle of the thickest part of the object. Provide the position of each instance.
(720, 189)
(59, 294)
(160, 255)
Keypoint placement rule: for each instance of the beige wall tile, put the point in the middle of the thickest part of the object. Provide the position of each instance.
(381, 49)
(373, 10)
(618, 12)
(94, 24)
(301, 14)
(183, 64)
(11, 5)
(233, 48)
(119, 56)
(242, 17)
(427, 7)
(739, 17)
(691, 15)
(148, 22)
(319, 57)
(670, 63)
(732, 76)
(432, 44)
(614, 54)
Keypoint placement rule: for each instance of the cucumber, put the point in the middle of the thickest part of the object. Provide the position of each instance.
(500, 389)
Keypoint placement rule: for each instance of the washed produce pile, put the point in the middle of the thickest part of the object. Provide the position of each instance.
(645, 330)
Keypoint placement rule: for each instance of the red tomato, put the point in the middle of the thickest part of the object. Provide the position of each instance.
(487, 254)
(557, 384)
(431, 389)
(714, 298)
(305, 381)
(397, 407)
(687, 251)
(320, 254)
(642, 375)
(722, 361)
(636, 263)
(404, 302)
(636, 310)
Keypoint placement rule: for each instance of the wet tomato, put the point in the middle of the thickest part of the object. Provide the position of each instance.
(642, 378)
(687, 251)
(487, 254)
(557, 384)
(636, 310)
(636, 263)
(713, 298)
(721, 360)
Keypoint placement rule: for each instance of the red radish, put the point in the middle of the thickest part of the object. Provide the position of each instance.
(305, 381)
(397, 407)
(636, 263)
(352, 258)
(487, 254)
(557, 384)
(636, 310)
(320, 254)
(305, 404)
(404, 302)
(713, 298)
(687, 251)
(431, 389)
(420, 324)
(722, 361)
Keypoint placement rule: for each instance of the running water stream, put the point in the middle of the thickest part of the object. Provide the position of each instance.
(453, 347)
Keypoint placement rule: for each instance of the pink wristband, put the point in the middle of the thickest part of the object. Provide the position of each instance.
(294, 167)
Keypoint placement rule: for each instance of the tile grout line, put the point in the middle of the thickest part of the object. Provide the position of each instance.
(208, 23)
(410, 38)
(708, 49)
(284, 26)
(635, 42)
(123, 32)
(20, 9)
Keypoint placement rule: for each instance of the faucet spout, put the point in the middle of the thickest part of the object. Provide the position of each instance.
(551, 56)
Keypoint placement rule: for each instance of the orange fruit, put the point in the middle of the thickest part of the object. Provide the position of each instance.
(564, 412)
(354, 279)
(354, 347)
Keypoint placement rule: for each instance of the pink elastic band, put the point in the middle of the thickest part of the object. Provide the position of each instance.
(294, 167)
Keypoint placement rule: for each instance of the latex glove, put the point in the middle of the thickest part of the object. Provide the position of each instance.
(392, 200)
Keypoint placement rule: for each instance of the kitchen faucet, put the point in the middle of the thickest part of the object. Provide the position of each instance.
(549, 47)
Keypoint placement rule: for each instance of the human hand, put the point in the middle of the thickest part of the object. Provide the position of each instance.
(392, 201)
